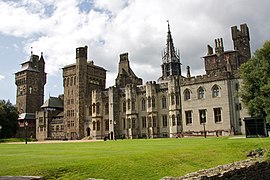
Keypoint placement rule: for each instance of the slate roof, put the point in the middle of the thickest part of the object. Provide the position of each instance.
(53, 102)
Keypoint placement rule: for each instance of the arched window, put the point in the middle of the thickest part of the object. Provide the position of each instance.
(201, 93)
(98, 125)
(98, 108)
(143, 104)
(153, 102)
(107, 108)
(94, 125)
(67, 81)
(124, 106)
(186, 94)
(215, 91)
(164, 102)
(173, 120)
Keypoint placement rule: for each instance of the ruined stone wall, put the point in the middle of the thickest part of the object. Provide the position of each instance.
(243, 170)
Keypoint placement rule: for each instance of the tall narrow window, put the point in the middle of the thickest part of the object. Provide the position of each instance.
(202, 114)
(153, 102)
(217, 115)
(172, 99)
(143, 104)
(94, 125)
(149, 101)
(98, 125)
(164, 102)
(107, 108)
(94, 108)
(173, 120)
(164, 120)
(154, 121)
(124, 106)
(98, 108)
(177, 99)
(133, 105)
(143, 121)
(107, 125)
(200, 93)
(186, 94)
(124, 123)
(133, 123)
(188, 117)
(128, 104)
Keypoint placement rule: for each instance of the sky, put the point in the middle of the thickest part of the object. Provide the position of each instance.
(112, 27)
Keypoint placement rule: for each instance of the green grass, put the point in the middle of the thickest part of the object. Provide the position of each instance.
(123, 159)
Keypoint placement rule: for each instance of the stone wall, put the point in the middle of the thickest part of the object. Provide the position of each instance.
(247, 169)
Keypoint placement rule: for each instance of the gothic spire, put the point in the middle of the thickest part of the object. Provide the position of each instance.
(170, 58)
(170, 54)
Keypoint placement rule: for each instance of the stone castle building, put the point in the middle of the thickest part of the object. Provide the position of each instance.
(169, 107)
(30, 82)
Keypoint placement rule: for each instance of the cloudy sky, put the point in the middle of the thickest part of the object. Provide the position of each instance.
(111, 27)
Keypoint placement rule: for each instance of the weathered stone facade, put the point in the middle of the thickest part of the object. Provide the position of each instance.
(30, 82)
(169, 107)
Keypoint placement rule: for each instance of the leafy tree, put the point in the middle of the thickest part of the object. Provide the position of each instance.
(255, 91)
(8, 119)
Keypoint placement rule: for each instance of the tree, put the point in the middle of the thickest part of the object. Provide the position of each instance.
(8, 119)
(255, 92)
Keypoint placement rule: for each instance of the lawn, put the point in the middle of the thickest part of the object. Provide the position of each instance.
(123, 159)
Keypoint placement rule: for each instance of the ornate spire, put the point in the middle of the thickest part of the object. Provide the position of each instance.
(170, 54)
(170, 58)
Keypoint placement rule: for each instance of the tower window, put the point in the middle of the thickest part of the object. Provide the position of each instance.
(153, 102)
(164, 120)
(164, 103)
(143, 104)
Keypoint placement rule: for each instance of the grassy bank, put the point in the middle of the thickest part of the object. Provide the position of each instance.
(124, 159)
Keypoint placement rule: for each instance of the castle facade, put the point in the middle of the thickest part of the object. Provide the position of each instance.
(173, 106)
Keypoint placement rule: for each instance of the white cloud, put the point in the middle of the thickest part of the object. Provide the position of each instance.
(2, 77)
(139, 27)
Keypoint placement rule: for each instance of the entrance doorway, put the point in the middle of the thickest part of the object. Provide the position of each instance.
(88, 131)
